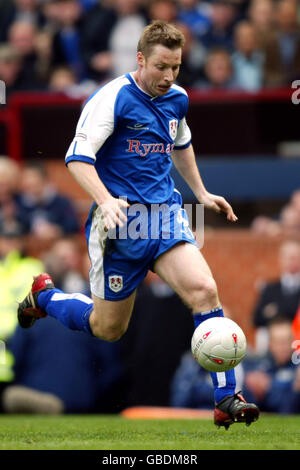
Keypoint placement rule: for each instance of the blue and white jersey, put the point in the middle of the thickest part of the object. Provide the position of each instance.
(129, 136)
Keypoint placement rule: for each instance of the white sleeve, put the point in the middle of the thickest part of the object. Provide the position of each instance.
(184, 135)
(95, 124)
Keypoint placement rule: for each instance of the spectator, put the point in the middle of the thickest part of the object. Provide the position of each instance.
(287, 224)
(50, 11)
(16, 272)
(95, 46)
(273, 380)
(63, 80)
(288, 38)
(51, 376)
(165, 10)
(108, 55)
(276, 26)
(11, 218)
(194, 15)
(71, 374)
(280, 297)
(289, 220)
(191, 386)
(18, 10)
(261, 15)
(12, 73)
(66, 47)
(10, 66)
(193, 57)
(6, 18)
(49, 213)
(129, 25)
(223, 17)
(248, 60)
(263, 225)
(87, 4)
(65, 264)
(281, 46)
(22, 37)
(44, 53)
(218, 71)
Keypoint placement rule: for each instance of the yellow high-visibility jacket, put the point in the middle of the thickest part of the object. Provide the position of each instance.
(16, 276)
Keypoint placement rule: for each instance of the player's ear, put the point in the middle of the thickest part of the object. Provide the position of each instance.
(140, 59)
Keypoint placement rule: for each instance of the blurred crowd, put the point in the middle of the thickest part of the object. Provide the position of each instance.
(271, 380)
(74, 46)
(30, 204)
(286, 223)
(50, 369)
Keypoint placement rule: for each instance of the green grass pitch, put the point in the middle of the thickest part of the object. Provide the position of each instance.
(98, 432)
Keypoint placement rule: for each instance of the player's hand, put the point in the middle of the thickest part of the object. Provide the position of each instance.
(112, 212)
(218, 204)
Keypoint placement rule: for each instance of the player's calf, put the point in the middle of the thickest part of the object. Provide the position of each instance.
(109, 319)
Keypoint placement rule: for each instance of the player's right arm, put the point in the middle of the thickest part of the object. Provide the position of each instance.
(95, 125)
(87, 177)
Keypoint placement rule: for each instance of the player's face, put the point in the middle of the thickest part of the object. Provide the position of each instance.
(158, 71)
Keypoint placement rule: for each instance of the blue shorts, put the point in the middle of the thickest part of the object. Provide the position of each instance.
(120, 259)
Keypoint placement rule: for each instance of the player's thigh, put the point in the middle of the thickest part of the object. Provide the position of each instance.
(184, 268)
(111, 318)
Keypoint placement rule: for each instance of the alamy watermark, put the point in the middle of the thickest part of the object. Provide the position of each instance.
(296, 93)
(162, 221)
(2, 353)
(2, 92)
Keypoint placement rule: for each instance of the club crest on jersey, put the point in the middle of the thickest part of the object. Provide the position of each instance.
(173, 124)
(115, 283)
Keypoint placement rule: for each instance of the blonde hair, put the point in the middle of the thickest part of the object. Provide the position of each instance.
(160, 32)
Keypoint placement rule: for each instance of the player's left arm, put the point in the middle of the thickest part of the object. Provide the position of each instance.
(185, 162)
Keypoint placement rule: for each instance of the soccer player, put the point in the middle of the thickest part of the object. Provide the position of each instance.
(128, 134)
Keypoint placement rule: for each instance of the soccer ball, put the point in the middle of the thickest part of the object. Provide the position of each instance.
(218, 344)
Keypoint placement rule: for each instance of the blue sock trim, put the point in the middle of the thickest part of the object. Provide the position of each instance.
(201, 317)
(228, 389)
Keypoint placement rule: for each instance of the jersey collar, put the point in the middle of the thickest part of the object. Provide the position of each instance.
(133, 82)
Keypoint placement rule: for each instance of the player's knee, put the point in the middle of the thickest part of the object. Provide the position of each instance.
(110, 334)
(205, 292)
